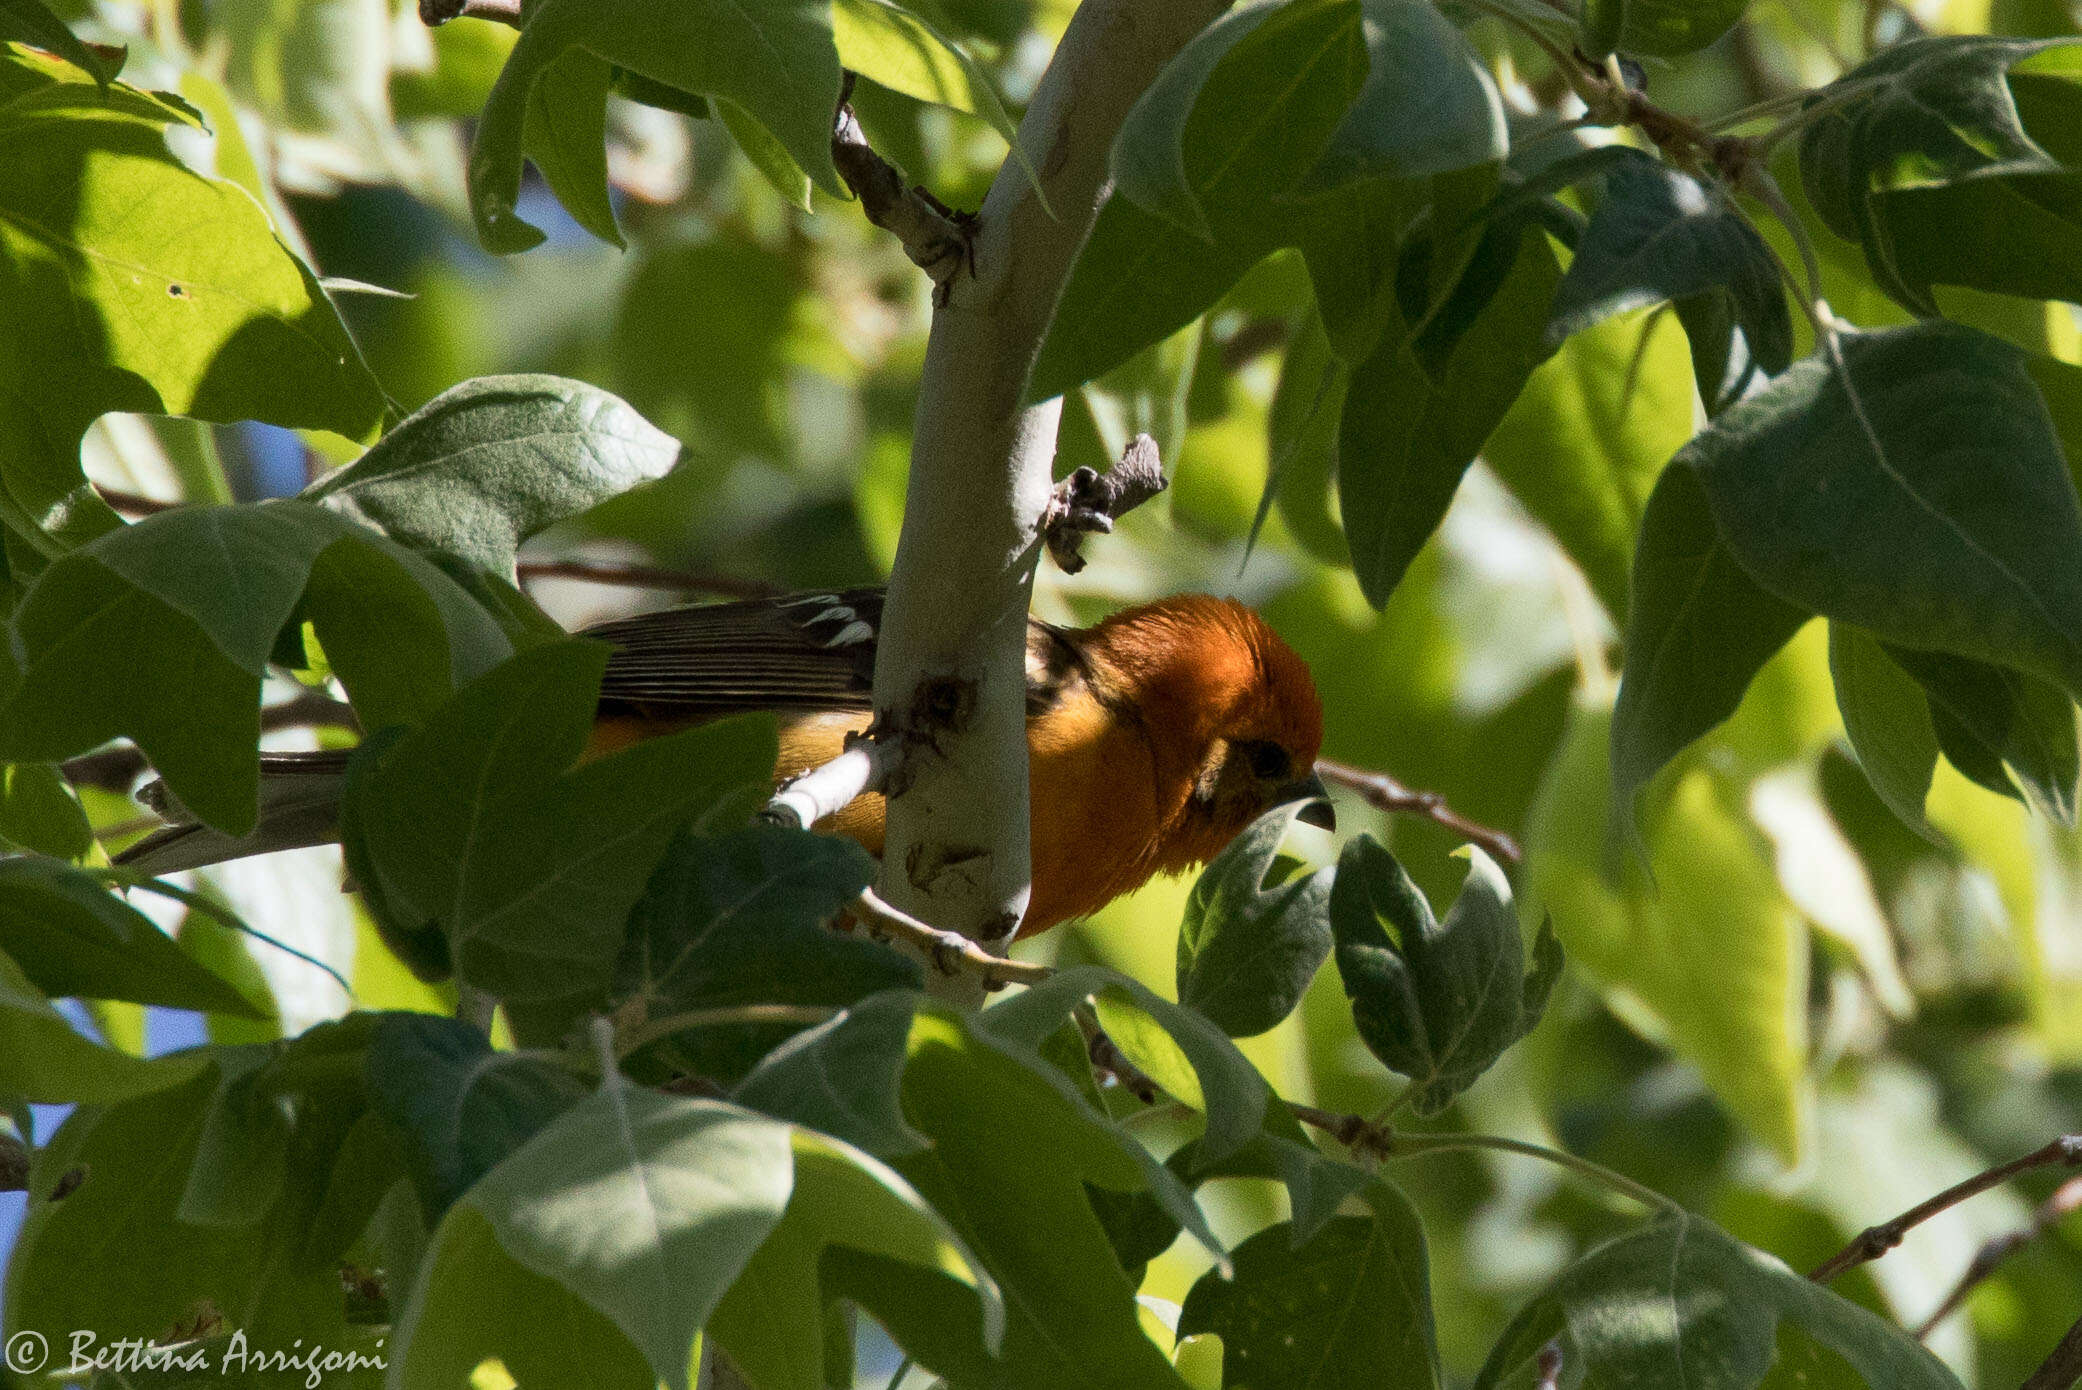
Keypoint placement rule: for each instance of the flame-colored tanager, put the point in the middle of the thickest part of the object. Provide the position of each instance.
(1154, 736)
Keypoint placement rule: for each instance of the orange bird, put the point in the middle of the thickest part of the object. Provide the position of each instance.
(1153, 736)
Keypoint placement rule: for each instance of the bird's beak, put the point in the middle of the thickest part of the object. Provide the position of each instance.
(1318, 812)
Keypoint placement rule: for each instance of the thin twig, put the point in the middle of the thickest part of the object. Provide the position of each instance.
(14, 1164)
(1385, 793)
(433, 13)
(950, 952)
(1089, 501)
(135, 503)
(936, 238)
(2063, 1368)
(645, 577)
(1875, 1241)
(1378, 1141)
(2066, 1198)
(1107, 1056)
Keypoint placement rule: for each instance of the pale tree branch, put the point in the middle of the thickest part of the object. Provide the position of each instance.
(1875, 1241)
(829, 788)
(957, 850)
(1089, 502)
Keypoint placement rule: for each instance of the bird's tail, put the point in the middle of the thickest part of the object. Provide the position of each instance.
(299, 806)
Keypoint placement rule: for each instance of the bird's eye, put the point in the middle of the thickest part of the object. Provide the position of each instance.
(1269, 761)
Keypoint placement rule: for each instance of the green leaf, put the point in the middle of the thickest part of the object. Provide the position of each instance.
(1011, 1152)
(1698, 631)
(1140, 276)
(1241, 113)
(474, 1300)
(1438, 1002)
(772, 1321)
(1928, 503)
(1179, 1048)
(43, 1059)
(1345, 1308)
(39, 811)
(1931, 128)
(1428, 105)
(460, 1106)
(273, 1156)
(1887, 716)
(1301, 441)
(471, 822)
(1665, 28)
(130, 1162)
(778, 62)
(32, 21)
(1660, 235)
(843, 1077)
(1584, 442)
(2020, 720)
(741, 919)
(646, 1206)
(72, 937)
(1682, 1302)
(1709, 958)
(273, 1132)
(160, 632)
(766, 154)
(888, 44)
(487, 464)
(115, 303)
(1418, 410)
(564, 134)
(1246, 953)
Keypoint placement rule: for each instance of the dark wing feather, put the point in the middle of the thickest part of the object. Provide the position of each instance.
(805, 652)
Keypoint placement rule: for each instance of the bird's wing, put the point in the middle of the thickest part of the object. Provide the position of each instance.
(803, 652)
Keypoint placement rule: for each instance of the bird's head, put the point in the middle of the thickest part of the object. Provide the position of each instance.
(1230, 710)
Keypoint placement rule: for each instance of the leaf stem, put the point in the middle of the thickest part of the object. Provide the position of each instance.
(808, 1015)
(196, 902)
(1412, 1145)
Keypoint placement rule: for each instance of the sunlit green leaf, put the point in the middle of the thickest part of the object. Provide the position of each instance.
(487, 464)
(112, 305)
(777, 62)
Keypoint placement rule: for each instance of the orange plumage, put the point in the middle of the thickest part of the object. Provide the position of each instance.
(1153, 736)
